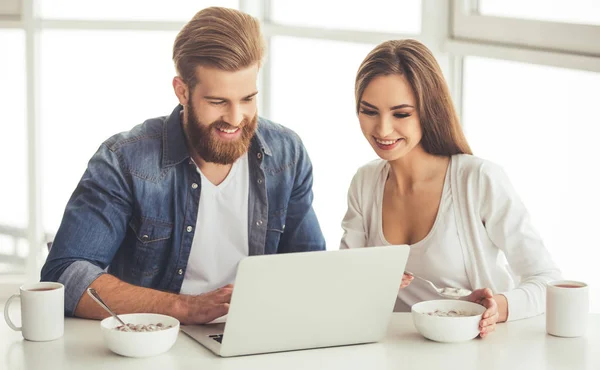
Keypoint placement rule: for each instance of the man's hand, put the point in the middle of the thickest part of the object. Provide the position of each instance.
(206, 307)
(485, 298)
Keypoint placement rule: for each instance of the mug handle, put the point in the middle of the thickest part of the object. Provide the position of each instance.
(7, 318)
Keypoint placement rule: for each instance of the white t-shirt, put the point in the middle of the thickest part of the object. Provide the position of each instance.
(221, 237)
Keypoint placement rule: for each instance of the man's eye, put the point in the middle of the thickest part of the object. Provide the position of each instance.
(249, 99)
(368, 112)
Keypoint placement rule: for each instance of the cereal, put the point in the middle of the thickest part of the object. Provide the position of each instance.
(451, 313)
(143, 328)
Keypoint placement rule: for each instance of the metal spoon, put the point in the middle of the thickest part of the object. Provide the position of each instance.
(92, 293)
(452, 293)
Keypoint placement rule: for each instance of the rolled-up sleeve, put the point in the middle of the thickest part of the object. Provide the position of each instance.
(93, 226)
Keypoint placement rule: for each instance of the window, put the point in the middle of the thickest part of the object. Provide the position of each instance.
(540, 124)
(13, 150)
(575, 26)
(566, 11)
(154, 10)
(95, 84)
(312, 93)
(380, 15)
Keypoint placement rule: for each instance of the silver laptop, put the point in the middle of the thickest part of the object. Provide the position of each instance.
(307, 300)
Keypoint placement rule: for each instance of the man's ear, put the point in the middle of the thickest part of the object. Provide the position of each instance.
(181, 90)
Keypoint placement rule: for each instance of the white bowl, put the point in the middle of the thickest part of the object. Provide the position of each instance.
(447, 329)
(140, 344)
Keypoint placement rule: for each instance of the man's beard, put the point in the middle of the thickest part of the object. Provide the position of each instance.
(209, 146)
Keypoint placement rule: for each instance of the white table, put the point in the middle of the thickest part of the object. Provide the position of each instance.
(517, 345)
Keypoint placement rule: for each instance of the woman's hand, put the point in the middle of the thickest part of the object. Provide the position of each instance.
(406, 279)
(485, 298)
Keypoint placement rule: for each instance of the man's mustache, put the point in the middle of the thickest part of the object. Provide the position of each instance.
(226, 126)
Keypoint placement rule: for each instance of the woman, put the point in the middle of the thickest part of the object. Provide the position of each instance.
(466, 226)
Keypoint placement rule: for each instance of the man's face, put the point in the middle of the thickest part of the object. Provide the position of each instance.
(221, 115)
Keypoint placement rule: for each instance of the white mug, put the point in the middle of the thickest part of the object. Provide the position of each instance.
(567, 308)
(42, 311)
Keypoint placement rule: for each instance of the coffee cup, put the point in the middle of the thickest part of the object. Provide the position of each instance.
(42, 311)
(567, 308)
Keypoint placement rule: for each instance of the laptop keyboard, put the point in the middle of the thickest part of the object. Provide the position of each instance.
(217, 337)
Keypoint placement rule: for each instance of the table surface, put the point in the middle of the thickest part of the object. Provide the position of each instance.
(521, 344)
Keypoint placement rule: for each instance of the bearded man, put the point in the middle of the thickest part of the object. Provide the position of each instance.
(165, 212)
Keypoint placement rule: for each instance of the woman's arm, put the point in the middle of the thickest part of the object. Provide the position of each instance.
(508, 225)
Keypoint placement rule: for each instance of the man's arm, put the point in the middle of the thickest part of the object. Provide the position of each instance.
(302, 231)
(93, 228)
(122, 298)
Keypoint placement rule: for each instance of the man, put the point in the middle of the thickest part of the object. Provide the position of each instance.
(165, 212)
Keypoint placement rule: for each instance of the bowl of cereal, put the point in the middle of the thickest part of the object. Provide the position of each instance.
(447, 320)
(147, 334)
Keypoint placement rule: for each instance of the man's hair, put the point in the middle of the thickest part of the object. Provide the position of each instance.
(216, 37)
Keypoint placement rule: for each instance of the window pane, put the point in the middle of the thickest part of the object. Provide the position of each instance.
(315, 98)
(566, 11)
(161, 10)
(95, 84)
(540, 123)
(380, 15)
(13, 148)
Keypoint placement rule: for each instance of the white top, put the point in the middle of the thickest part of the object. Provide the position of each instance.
(221, 237)
(524, 344)
(437, 257)
(500, 248)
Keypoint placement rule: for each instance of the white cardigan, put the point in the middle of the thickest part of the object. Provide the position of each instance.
(494, 228)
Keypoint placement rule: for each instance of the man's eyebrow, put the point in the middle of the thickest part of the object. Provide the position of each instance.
(251, 95)
(210, 97)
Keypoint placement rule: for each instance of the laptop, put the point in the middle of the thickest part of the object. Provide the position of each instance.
(307, 300)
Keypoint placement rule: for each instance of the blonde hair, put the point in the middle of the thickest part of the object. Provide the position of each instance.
(442, 133)
(223, 38)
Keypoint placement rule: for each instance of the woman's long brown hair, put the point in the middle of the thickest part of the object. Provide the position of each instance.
(442, 133)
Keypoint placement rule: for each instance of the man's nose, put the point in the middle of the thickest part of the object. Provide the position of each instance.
(234, 116)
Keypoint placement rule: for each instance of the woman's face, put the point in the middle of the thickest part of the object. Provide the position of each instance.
(388, 117)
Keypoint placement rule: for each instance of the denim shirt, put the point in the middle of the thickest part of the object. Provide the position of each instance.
(134, 211)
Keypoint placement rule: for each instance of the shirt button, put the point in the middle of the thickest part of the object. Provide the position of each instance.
(189, 229)
(259, 155)
(180, 271)
(259, 181)
(259, 222)
(145, 237)
(194, 186)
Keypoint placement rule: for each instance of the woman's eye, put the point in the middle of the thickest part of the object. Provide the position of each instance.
(368, 112)
(401, 115)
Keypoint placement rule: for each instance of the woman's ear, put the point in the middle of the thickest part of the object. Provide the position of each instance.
(181, 90)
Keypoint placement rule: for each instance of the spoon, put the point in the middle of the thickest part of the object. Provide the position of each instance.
(452, 293)
(92, 293)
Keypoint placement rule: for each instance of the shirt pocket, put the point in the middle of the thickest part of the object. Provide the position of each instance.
(151, 249)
